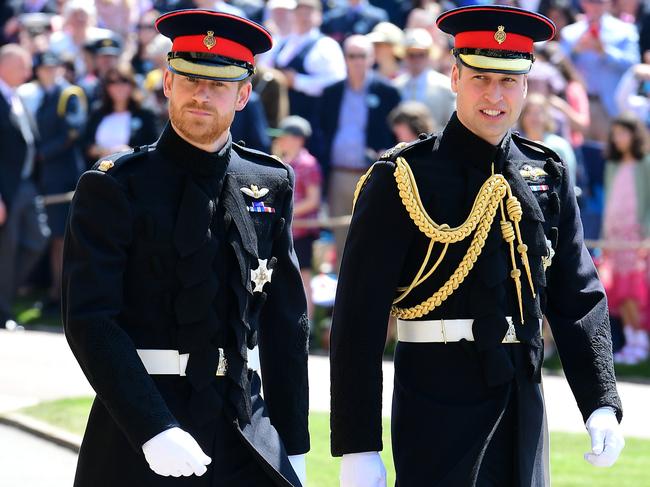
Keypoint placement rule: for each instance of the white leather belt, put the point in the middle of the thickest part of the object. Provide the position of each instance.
(170, 362)
(444, 331)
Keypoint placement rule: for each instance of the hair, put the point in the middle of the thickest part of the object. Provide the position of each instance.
(17, 50)
(538, 99)
(639, 133)
(414, 114)
(122, 71)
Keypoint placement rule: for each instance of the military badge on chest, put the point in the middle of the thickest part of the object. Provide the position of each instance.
(257, 194)
(535, 177)
(262, 275)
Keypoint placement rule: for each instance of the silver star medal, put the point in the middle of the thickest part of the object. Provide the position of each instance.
(261, 275)
(548, 258)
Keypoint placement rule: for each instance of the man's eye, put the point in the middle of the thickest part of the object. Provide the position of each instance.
(191, 79)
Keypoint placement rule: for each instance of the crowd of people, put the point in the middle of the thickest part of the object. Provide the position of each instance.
(345, 80)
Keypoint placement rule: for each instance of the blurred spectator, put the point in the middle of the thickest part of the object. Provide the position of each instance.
(119, 123)
(574, 102)
(310, 61)
(626, 10)
(156, 55)
(633, 92)
(271, 86)
(410, 119)
(421, 82)
(356, 17)
(101, 55)
(145, 34)
(440, 51)
(354, 116)
(249, 126)
(279, 22)
(627, 220)
(116, 15)
(23, 225)
(602, 48)
(561, 12)
(79, 28)
(537, 124)
(387, 40)
(289, 145)
(34, 31)
(60, 112)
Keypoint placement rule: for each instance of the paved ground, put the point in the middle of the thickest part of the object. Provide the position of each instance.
(28, 461)
(38, 366)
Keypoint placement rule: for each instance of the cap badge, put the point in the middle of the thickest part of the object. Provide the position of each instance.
(500, 34)
(209, 41)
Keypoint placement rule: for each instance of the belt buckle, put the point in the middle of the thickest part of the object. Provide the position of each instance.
(222, 365)
(511, 335)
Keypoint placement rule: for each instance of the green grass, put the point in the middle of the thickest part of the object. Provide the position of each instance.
(567, 465)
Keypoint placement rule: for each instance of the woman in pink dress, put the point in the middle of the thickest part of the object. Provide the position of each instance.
(626, 222)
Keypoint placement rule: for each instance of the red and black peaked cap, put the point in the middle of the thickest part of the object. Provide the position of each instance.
(495, 37)
(212, 45)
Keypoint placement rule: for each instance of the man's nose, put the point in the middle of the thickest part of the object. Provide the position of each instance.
(201, 93)
(493, 93)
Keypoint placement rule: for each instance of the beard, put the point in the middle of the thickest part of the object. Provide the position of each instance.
(201, 130)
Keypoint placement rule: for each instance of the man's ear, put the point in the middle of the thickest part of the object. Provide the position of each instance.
(525, 85)
(243, 94)
(455, 75)
(168, 76)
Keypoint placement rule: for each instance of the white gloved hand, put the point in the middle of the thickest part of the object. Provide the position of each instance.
(606, 437)
(174, 452)
(362, 470)
(300, 467)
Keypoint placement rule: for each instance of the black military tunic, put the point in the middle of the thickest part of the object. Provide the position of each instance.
(159, 250)
(452, 400)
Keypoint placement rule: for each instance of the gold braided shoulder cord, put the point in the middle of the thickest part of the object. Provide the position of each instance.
(481, 216)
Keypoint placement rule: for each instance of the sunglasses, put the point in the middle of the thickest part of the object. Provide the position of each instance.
(417, 55)
(355, 55)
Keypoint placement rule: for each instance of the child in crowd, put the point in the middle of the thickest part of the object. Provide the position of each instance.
(627, 222)
(289, 145)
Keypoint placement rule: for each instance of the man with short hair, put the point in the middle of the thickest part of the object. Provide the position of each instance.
(469, 237)
(23, 224)
(178, 262)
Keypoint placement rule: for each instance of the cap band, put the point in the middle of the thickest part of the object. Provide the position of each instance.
(494, 64)
(221, 46)
(486, 39)
(223, 73)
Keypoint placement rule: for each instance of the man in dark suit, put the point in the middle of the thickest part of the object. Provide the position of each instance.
(469, 291)
(354, 118)
(179, 261)
(23, 227)
(357, 17)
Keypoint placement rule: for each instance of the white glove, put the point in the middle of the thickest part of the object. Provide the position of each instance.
(300, 467)
(362, 470)
(174, 452)
(606, 437)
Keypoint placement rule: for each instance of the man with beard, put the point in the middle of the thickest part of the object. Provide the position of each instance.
(178, 262)
(468, 237)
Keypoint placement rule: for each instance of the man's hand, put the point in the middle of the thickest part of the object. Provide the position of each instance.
(606, 438)
(300, 467)
(174, 452)
(3, 213)
(362, 470)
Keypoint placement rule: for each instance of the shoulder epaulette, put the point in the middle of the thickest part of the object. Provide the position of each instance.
(118, 159)
(539, 147)
(65, 95)
(399, 149)
(258, 154)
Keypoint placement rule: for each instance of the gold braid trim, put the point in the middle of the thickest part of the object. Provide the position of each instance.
(69, 91)
(480, 219)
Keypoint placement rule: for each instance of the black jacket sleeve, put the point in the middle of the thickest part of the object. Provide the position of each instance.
(375, 251)
(284, 334)
(95, 254)
(577, 313)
